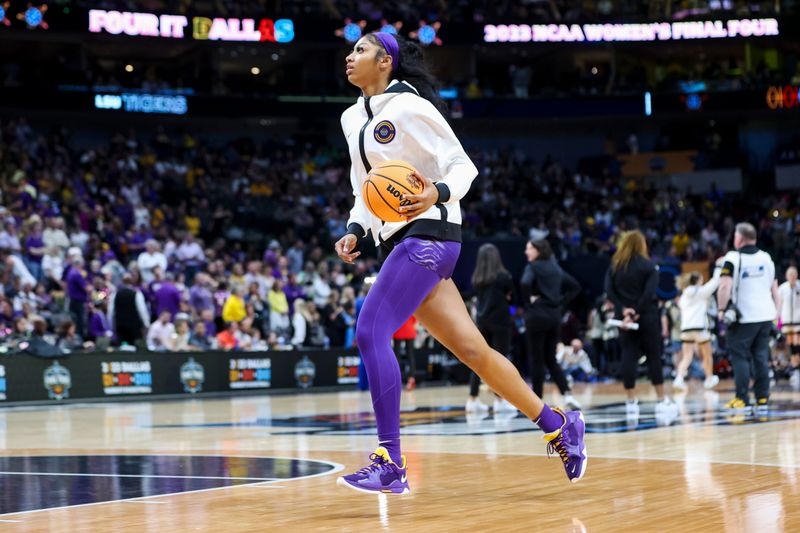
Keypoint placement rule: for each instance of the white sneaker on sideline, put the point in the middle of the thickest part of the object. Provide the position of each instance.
(632, 408)
(711, 381)
(476, 406)
(503, 406)
(666, 406)
(678, 383)
(571, 402)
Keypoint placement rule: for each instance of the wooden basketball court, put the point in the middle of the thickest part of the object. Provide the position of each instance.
(269, 463)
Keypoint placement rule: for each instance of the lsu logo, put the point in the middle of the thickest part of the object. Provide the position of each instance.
(385, 132)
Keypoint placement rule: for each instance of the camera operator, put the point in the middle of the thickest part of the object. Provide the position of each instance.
(747, 298)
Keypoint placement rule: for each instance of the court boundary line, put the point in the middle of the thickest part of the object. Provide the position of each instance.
(337, 467)
(154, 476)
(618, 457)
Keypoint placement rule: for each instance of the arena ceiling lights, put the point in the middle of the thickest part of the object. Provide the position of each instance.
(426, 34)
(134, 24)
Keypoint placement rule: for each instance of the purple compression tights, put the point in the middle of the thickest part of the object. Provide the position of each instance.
(409, 274)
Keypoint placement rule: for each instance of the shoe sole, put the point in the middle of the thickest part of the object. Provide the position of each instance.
(342, 483)
(583, 452)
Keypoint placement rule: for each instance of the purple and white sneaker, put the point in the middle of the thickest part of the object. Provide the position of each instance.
(567, 442)
(383, 476)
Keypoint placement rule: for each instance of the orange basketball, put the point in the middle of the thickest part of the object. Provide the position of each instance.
(385, 184)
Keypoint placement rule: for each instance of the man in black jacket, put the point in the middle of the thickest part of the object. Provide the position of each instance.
(128, 312)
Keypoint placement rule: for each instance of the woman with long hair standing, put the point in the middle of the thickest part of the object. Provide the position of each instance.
(494, 287)
(399, 117)
(542, 286)
(631, 284)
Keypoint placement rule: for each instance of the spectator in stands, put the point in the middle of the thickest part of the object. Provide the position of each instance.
(99, 330)
(200, 297)
(78, 293)
(160, 334)
(575, 361)
(166, 295)
(9, 240)
(199, 338)
(151, 259)
(278, 308)
(181, 336)
(227, 339)
(191, 256)
(52, 267)
(19, 272)
(300, 321)
(68, 340)
(54, 234)
(233, 309)
(128, 312)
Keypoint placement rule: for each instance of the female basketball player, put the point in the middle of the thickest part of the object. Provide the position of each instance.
(789, 309)
(399, 116)
(695, 330)
(631, 285)
(494, 286)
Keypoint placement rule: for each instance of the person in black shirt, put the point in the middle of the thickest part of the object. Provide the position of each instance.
(545, 288)
(631, 284)
(494, 287)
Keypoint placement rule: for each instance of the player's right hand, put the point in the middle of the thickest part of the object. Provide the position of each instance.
(345, 248)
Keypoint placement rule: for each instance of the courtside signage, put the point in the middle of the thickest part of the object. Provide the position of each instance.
(656, 31)
(250, 373)
(126, 377)
(134, 24)
(142, 103)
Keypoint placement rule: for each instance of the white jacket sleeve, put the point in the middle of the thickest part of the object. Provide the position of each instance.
(456, 170)
(359, 214)
(709, 287)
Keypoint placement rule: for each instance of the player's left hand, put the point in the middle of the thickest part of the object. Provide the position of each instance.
(420, 202)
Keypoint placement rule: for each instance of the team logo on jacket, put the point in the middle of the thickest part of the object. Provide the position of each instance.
(384, 132)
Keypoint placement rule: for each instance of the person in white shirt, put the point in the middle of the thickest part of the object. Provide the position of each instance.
(748, 282)
(53, 264)
(151, 258)
(574, 360)
(695, 329)
(191, 256)
(161, 333)
(9, 239)
(789, 317)
(18, 269)
(54, 234)
(400, 117)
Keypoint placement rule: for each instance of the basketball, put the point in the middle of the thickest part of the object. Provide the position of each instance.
(385, 184)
